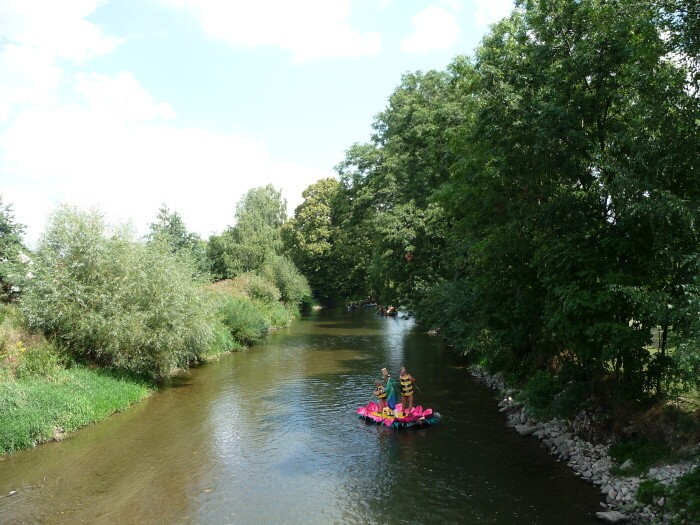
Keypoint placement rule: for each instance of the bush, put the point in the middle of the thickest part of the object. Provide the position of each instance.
(42, 360)
(643, 453)
(540, 392)
(278, 314)
(685, 495)
(222, 341)
(649, 490)
(293, 286)
(106, 297)
(22, 353)
(263, 290)
(245, 320)
(572, 398)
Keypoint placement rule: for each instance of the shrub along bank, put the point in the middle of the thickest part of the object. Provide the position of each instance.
(47, 390)
(106, 317)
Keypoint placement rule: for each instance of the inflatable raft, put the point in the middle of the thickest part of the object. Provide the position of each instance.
(418, 417)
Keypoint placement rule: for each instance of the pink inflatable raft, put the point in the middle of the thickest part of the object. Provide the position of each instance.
(418, 416)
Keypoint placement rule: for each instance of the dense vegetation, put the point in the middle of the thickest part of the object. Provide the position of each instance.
(539, 203)
(95, 316)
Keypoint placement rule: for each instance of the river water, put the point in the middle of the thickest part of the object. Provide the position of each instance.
(270, 435)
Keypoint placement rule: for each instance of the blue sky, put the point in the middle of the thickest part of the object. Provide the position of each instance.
(128, 104)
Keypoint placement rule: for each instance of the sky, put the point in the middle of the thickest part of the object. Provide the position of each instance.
(126, 105)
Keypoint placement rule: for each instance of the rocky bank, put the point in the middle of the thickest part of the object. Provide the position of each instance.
(569, 440)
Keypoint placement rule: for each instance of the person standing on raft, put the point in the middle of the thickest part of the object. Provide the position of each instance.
(406, 380)
(391, 389)
(381, 394)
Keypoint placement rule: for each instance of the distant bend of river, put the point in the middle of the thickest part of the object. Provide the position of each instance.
(270, 435)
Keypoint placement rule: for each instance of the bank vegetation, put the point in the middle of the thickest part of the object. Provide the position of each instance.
(96, 318)
(538, 203)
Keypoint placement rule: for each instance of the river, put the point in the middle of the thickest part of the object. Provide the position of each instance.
(270, 435)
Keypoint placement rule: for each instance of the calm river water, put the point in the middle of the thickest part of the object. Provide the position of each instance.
(270, 436)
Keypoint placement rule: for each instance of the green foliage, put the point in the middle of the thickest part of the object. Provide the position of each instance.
(308, 237)
(13, 268)
(108, 298)
(34, 410)
(650, 490)
(685, 495)
(643, 452)
(391, 229)
(277, 313)
(572, 398)
(246, 321)
(170, 232)
(293, 287)
(539, 392)
(222, 341)
(24, 354)
(252, 250)
(42, 360)
(261, 289)
(254, 239)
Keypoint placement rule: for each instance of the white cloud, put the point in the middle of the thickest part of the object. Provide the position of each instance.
(434, 29)
(121, 97)
(310, 29)
(118, 150)
(34, 36)
(115, 146)
(455, 5)
(491, 11)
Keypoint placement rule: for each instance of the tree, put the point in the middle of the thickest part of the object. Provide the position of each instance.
(255, 236)
(579, 198)
(170, 231)
(108, 298)
(308, 238)
(392, 184)
(12, 267)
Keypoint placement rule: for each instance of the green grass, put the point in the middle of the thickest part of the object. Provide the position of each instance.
(649, 490)
(32, 410)
(643, 452)
(685, 497)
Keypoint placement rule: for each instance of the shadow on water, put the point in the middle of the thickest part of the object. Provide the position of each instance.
(270, 435)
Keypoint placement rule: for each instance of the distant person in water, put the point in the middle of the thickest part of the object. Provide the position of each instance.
(406, 380)
(392, 389)
(381, 394)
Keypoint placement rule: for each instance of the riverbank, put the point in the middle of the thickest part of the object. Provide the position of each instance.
(637, 499)
(47, 392)
(37, 410)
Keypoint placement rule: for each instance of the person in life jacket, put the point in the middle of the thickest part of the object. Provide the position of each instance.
(406, 381)
(381, 395)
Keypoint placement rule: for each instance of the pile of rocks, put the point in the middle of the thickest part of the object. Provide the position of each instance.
(590, 461)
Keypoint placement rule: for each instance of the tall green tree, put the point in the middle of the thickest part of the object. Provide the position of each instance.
(254, 238)
(170, 231)
(393, 183)
(308, 238)
(12, 268)
(574, 166)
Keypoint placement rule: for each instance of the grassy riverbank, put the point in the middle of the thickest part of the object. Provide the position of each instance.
(35, 410)
(46, 392)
